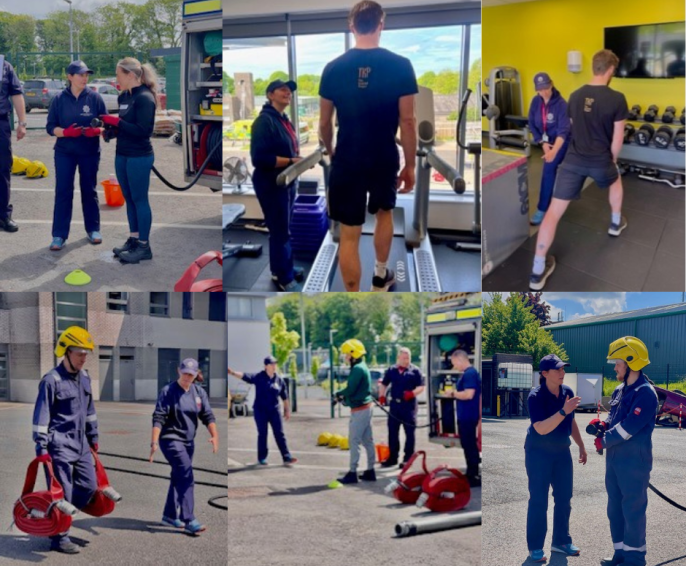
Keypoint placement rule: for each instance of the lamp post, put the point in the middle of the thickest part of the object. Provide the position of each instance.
(71, 30)
(332, 331)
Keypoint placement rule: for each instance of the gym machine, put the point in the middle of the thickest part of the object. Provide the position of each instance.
(411, 255)
(503, 106)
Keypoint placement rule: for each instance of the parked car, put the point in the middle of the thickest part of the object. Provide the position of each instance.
(111, 82)
(305, 379)
(38, 93)
(109, 95)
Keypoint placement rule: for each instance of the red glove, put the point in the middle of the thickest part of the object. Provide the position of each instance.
(598, 423)
(110, 120)
(92, 132)
(72, 131)
(408, 395)
(599, 445)
(95, 446)
(382, 399)
(44, 458)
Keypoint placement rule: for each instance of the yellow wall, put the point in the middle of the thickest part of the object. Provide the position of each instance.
(536, 36)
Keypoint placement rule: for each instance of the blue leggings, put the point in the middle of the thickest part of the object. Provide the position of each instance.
(133, 174)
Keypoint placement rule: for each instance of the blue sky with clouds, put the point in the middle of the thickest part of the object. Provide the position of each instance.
(429, 49)
(580, 305)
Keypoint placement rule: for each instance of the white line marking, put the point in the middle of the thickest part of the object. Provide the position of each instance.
(337, 452)
(100, 192)
(154, 227)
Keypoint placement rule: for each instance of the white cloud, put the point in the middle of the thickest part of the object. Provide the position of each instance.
(448, 38)
(592, 303)
(410, 49)
(577, 315)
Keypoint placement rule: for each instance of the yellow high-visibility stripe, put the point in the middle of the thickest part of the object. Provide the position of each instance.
(201, 7)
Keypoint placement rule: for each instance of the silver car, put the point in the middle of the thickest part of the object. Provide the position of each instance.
(110, 95)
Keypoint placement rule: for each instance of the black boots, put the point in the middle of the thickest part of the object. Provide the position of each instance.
(368, 475)
(140, 253)
(8, 225)
(130, 245)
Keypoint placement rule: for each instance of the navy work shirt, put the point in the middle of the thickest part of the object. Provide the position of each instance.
(268, 390)
(542, 405)
(401, 380)
(550, 119)
(365, 86)
(178, 411)
(9, 86)
(66, 109)
(469, 410)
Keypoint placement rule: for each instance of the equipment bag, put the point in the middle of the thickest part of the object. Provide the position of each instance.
(408, 487)
(102, 502)
(444, 489)
(42, 513)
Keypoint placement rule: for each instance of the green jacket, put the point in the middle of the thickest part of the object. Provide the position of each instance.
(358, 391)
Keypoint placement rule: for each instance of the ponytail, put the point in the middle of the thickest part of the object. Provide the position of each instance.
(145, 73)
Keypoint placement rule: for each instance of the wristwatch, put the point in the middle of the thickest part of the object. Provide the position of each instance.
(562, 412)
(24, 124)
(290, 161)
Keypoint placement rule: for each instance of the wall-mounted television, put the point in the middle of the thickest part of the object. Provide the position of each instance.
(652, 51)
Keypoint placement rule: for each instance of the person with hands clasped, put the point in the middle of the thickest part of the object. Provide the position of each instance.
(269, 388)
(65, 425)
(627, 437)
(405, 381)
(548, 459)
(180, 405)
(77, 146)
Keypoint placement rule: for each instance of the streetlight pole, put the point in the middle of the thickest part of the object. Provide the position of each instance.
(332, 331)
(71, 30)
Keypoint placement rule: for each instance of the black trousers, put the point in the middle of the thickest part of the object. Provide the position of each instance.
(467, 432)
(5, 168)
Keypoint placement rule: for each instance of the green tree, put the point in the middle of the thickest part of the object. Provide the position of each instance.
(314, 366)
(293, 367)
(283, 341)
(509, 326)
(374, 363)
(474, 77)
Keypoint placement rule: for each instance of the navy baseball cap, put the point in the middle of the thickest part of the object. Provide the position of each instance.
(551, 361)
(278, 83)
(269, 360)
(189, 365)
(542, 80)
(78, 68)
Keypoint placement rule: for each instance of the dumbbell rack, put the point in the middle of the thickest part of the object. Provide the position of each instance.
(667, 160)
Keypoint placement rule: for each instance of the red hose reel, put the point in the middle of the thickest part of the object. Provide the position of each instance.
(187, 281)
(42, 513)
(408, 487)
(445, 489)
(103, 501)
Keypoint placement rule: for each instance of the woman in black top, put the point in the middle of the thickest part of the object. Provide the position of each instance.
(135, 157)
(273, 147)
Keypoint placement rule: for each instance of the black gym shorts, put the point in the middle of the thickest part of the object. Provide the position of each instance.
(349, 187)
(570, 179)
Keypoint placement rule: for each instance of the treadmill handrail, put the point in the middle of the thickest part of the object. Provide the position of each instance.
(451, 174)
(292, 172)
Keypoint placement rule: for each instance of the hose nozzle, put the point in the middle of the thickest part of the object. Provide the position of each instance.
(112, 494)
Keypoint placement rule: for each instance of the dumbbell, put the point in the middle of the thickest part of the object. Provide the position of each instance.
(635, 112)
(682, 119)
(629, 132)
(668, 116)
(680, 139)
(663, 137)
(651, 113)
(644, 134)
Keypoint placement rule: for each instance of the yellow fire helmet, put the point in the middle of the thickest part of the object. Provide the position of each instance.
(344, 443)
(630, 349)
(36, 169)
(19, 165)
(324, 438)
(354, 348)
(335, 440)
(74, 337)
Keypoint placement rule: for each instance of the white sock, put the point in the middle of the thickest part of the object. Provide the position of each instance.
(380, 269)
(539, 265)
(616, 218)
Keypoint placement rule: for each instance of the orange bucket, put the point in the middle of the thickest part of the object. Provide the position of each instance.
(383, 452)
(113, 194)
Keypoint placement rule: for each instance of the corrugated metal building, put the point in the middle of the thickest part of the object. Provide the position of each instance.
(663, 329)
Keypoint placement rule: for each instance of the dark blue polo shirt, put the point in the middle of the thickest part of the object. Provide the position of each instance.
(402, 380)
(542, 405)
(178, 411)
(469, 410)
(9, 86)
(66, 109)
(267, 390)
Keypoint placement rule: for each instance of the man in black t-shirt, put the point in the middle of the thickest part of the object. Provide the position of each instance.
(598, 115)
(372, 91)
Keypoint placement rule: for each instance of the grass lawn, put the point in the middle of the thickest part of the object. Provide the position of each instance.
(610, 385)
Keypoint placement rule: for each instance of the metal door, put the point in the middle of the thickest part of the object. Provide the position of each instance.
(106, 374)
(127, 375)
(167, 364)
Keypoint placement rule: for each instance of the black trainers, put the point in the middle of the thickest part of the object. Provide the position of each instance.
(298, 275)
(474, 481)
(616, 229)
(8, 225)
(389, 463)
(130, 245)
(141, 252)
(368, 475)
(616, 560)
(380, 284)
(537, 282)
(350, 477)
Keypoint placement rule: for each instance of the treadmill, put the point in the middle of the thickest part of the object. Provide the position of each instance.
(411, 256)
